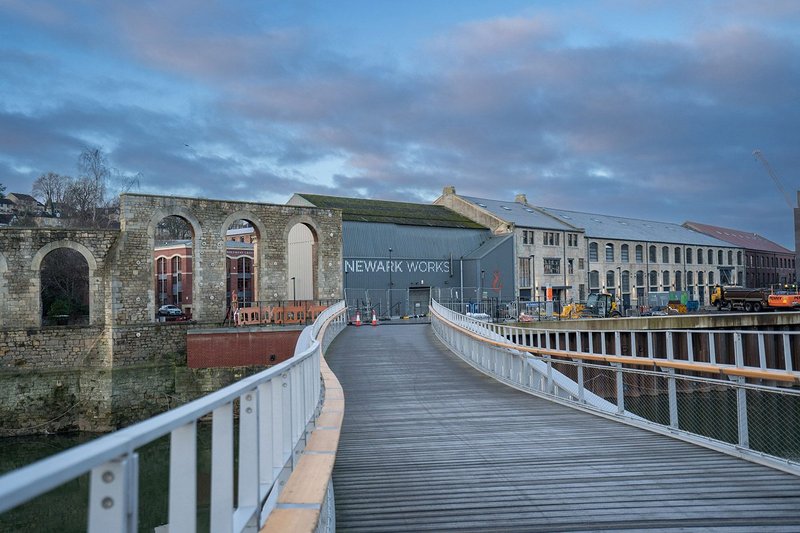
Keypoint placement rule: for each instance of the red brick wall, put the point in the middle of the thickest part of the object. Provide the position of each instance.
(228, 349)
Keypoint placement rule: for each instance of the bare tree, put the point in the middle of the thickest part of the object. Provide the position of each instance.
(81, 197)
(51, 188)
(93, 167)
(173, 228)
(65, 284)
(2, 191)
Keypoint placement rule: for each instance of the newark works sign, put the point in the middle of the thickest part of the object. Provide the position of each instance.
(396, 265)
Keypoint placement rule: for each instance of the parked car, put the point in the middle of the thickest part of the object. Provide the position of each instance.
(169, 310)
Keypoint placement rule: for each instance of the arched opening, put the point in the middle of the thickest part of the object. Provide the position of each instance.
(301, 283)
(241, 263)
(64, 288)
(173, 255)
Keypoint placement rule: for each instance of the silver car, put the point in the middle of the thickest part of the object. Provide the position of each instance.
(169, 310)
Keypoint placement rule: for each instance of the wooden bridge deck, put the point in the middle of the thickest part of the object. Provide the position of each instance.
(430, 444)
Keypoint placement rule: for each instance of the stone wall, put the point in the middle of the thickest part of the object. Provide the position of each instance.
(125, 365)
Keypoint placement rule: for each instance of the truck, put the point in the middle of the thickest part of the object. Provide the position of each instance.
(750, 300)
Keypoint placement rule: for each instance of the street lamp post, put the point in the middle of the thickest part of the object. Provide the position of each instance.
(390, 282)
(294, 291)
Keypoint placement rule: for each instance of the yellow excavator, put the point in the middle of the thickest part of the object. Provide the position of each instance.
(600, 305)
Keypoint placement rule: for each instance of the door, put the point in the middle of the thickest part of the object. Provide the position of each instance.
(418, 298)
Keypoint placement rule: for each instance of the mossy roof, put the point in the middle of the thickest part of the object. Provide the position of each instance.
(386, 212)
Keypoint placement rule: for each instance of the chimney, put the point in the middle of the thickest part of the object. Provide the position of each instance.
(520, 199)
(448, 189)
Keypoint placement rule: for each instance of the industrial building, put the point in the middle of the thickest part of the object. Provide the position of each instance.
(570, 254)
(397, 254)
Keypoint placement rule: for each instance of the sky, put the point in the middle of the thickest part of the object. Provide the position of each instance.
(646, 109)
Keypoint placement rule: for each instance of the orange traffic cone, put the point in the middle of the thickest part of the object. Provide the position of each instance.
(374, 318)
(358, 318)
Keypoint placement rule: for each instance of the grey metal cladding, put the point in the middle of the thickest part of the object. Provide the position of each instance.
(370, 240)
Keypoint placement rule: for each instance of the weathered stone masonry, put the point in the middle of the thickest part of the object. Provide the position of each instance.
(125, 361)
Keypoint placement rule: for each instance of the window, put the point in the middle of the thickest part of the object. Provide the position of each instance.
(665, 279)
(594, 280)
(572, 240)
(639, 253)
(552, 265)
(678, 280)
(570, 266)
(626, 281)
(739, 258)
(609, 252)
(581, 292)
(652, 254)
(623, 253)
(665, 254)
(699, 278)
(580, 263)
(719, 257)
(677, 254)
(730, 257)
(653, 281)
(524, 265)
(699, 256)
(527, 236)
(550, 238)
(610, 283)
(690, 278)
(640, 278)
(710, 278)
(592, 251)
(688, 256)
(711, 257)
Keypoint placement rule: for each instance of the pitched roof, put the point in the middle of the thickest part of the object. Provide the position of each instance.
(387, 212)
(24, 198)
(521, 215)
(742, 239)
(633, 229)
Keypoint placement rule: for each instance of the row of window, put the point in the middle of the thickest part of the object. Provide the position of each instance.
(550, 238)
(666, 256)
(666, 279)
(551, 265)
(766, 261)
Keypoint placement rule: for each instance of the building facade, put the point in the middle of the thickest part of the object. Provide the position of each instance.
(766, 263)
(575, 253)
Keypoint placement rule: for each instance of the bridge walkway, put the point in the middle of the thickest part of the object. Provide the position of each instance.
(429, 443)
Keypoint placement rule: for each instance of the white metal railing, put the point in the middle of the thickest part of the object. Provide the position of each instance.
(276, 408)
(738, 414)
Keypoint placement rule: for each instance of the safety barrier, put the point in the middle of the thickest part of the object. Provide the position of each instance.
(734, 407)
(277, 408)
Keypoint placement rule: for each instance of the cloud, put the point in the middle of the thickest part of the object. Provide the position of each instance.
(608, 121)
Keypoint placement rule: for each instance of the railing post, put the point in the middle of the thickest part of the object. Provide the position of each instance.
(620, 387)
(248, 496)
(113, 493)
(787, 353)
(222, 469)
(183, 479)
(672, 388)
(581, 393)
(741, 413)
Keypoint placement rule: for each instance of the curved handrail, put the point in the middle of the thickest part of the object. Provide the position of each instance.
(296, 390)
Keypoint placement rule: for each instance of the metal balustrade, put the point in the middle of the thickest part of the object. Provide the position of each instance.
(724, 396)
(276, 409)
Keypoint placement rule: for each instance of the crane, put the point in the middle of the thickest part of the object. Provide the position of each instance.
(758, 155)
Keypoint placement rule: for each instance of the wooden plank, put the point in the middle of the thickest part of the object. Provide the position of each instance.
(429, 444)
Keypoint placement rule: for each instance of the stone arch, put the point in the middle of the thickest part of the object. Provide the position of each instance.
(318, 238)
(258, 274)
(95, 281)
(156, 217)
